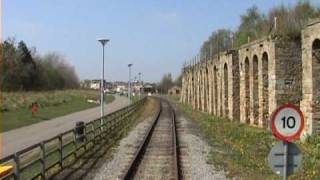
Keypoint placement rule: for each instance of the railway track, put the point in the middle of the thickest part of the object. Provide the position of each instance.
(157, 155)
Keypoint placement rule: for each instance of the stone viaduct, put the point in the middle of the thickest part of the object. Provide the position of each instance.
(249, 83)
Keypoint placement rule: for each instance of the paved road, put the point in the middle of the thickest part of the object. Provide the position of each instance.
(18, 139)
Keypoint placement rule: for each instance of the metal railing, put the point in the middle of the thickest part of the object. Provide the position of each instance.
(49, 157)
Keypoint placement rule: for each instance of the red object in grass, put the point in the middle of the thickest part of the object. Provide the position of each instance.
(34, 108)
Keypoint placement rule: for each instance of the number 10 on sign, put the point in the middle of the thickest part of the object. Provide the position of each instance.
(287, 123)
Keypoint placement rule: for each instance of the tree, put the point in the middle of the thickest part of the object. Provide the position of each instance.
(27, 67)
(166, 83)
(23, 70)
(178, 81)
(254, 25)
(219, 41)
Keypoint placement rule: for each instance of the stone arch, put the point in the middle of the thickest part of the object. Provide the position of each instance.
(316, 83)
(255, 90)
(215, 88)
(247, 89)
(316, 67)
(199, 90)
(265, 90)
(225, 90)
(207, 106)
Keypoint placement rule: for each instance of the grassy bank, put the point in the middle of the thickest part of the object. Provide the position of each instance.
(16, 110)
(242, 150)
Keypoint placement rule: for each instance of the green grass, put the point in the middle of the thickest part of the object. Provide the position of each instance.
(242, 150)
(51, 104)
(135, 98)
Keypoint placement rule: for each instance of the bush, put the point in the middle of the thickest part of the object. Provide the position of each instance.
(24, 70)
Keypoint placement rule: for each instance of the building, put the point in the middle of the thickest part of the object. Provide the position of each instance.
(95, 84)
(149, 88)
(120, 86)
(175, 90)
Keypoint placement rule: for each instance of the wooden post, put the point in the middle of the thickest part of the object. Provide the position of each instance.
(60, 151)
(17, 169)
(43, 160)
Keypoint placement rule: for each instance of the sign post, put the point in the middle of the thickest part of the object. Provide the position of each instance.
(285, 160)
(287, 124)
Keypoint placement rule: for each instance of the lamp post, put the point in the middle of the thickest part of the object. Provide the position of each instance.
(140, 85)
(103, 42)
(129, 84)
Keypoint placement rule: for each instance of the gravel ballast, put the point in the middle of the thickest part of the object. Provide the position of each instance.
(115, 167)
(194, 152)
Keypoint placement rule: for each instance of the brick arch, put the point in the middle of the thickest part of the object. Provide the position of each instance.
(199, 90)
(316, 83)
(225, 90)
(203, 89)
(207, 91)
(255, 90)
(247, 89)
(265, 89)
(215, 89)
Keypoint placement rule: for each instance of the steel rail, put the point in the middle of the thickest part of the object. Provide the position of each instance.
(135, 162)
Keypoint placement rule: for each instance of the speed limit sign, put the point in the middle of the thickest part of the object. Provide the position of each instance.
(287, 123)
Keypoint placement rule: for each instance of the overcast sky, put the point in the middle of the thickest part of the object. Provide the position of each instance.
(157, 36)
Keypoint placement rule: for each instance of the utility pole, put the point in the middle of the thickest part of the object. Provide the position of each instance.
(129, 84)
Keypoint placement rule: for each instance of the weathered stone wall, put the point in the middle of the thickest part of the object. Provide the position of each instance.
(257, 87)
(310, 105)
(248, 84)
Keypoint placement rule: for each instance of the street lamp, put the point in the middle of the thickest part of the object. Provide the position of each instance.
(140, 85)
(103, 42)
(129, 84)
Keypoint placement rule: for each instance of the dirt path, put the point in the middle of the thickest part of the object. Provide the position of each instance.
(18, 139)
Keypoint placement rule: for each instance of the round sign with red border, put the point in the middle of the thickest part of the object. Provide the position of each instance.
(287, 123)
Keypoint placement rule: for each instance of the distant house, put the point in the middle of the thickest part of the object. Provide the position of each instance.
(85, 84)
(120, 86)
(137, 86)
(149, 88)
(175, 90)
(95, 84)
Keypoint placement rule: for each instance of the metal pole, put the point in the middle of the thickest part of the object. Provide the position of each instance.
(129, 86)
(102, 86)
(285, 160)
(103, 42)
(140, 85)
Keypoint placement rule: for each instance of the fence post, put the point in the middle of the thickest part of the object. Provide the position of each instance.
(43, 160)
(17, 168)
(60, 151)
(80, 131)
(94, 134)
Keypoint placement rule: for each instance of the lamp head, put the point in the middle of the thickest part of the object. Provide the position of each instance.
(103, 41)
(129, 65)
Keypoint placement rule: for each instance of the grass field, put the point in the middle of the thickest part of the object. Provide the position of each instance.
(242, 150)
(16, 106)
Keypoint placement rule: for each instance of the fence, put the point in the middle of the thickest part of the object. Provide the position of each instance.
(49, 157)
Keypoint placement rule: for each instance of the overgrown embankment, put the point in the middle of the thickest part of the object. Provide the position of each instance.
(242, 150)
(16, 106)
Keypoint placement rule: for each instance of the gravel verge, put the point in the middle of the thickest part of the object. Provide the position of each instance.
(194, 152)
